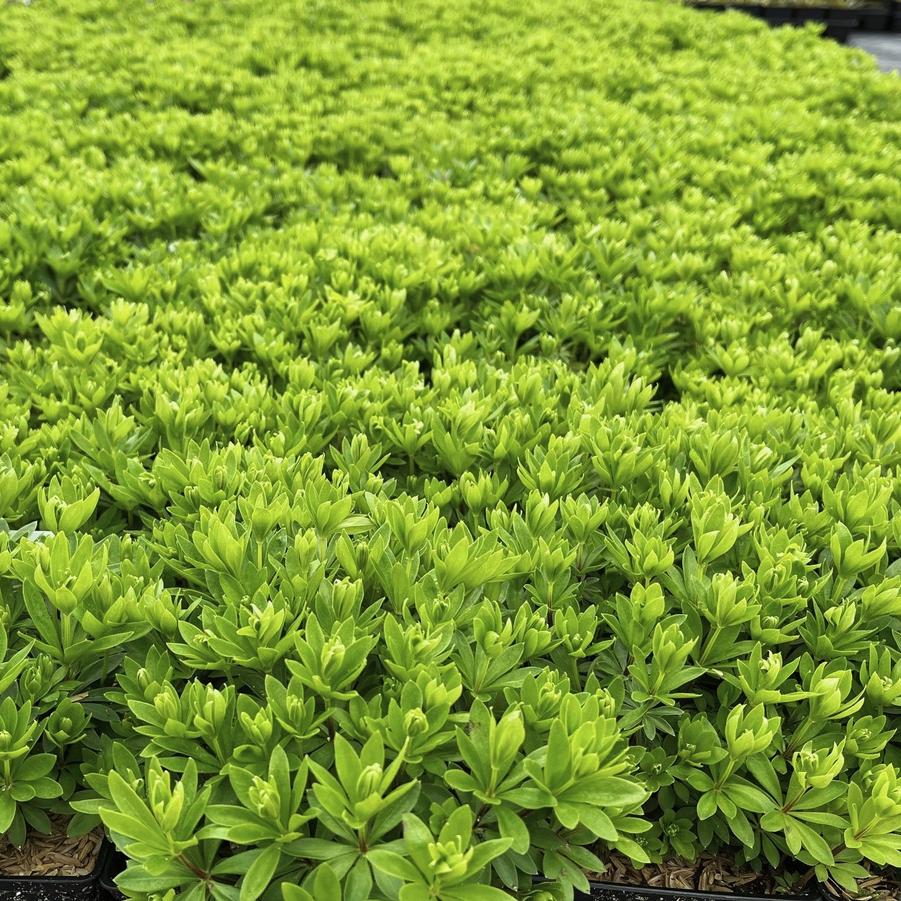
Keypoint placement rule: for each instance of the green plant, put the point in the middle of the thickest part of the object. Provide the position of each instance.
(443, 445)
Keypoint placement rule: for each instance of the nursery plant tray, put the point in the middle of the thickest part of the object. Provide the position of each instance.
(839, 22)
(616, 891)
(57, 888)
(113, 864)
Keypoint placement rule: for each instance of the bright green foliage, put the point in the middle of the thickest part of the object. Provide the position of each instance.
(443, 442)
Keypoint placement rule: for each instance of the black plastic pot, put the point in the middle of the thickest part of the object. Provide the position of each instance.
(113, 865)
(56, 888)
(611, 891)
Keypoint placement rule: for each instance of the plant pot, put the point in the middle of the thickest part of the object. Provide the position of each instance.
(614, 891)
(56, 888)
(874, 19)
(113, 865)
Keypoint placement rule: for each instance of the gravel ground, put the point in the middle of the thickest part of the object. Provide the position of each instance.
(885, 47)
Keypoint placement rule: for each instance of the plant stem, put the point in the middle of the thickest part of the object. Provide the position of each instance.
(197, 871)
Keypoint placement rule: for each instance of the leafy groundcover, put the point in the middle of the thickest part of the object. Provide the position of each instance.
(443, 444)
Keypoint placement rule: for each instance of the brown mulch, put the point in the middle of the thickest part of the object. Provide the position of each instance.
(707, 874)
(52, 855)
(877, 888)
(714, 874)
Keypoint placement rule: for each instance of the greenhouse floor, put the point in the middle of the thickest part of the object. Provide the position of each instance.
(885, 47)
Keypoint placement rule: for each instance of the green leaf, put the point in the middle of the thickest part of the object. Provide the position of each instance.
(812, 842)
(605, 791)
(316, 848)
(296, 893)
(325, 884)
(7, 811)
(358, 882)
(460, 781)
(347, 764)
(707, 805)
(557, 764)
(259, 874)
(471, 892)
(394, 865)
(135, 879)
(145, 830)
(485, 852)
(632, 850)
(741, 828)
(761, 768)
(747, 797)
(40, 617)
(511, 826)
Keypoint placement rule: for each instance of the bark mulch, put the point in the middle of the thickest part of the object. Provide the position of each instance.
(714, 874)
(52, 855)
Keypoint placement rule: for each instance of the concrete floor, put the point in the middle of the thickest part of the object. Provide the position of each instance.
(885, 47)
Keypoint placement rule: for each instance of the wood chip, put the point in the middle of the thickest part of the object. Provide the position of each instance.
(719, 874)
(52, 855)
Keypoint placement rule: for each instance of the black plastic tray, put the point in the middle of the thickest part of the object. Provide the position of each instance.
(613, 891)
(839, 23)
(113, 865)
(57, 888)
(112, 862)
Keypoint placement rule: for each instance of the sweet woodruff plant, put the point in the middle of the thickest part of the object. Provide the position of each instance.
(442, 445)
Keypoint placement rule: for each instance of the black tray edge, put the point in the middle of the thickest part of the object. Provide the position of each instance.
(839, 21)
(113, 865)
(601, 890)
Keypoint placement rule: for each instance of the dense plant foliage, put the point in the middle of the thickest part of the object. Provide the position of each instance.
(444, 442)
